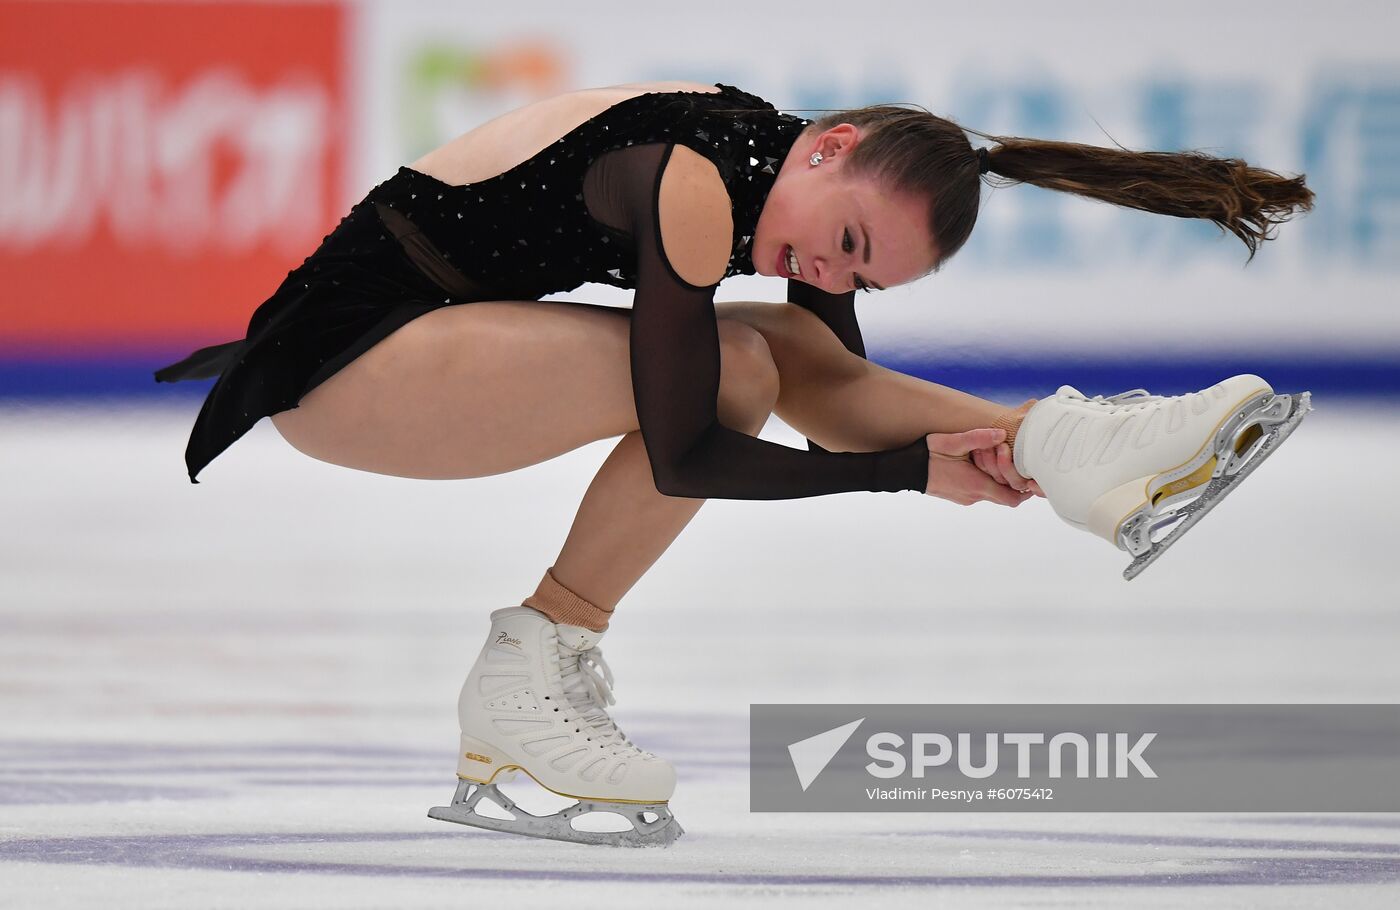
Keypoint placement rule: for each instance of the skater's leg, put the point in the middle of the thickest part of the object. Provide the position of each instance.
(623, 524)
(839, 400)
(845, 403)
(484, 388)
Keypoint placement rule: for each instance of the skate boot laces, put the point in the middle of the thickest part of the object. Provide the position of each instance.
(1132, 399)
(586, 681)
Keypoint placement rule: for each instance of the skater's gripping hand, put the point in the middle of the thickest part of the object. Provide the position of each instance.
(997, 464)
(953, 476)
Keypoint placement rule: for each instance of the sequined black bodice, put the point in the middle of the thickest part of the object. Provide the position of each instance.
(528, 231)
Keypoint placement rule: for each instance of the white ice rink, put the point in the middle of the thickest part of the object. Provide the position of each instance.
(242, 693)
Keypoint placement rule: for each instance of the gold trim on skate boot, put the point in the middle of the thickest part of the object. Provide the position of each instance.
(490, 782)
(1195, 479)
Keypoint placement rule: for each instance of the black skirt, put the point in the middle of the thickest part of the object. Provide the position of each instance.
(371, 275)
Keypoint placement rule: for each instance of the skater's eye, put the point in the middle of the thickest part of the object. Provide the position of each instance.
(849, 246)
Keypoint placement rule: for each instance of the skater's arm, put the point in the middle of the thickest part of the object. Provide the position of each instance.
(675, 354)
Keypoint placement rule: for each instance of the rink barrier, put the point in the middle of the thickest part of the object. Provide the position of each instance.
(1330, 374)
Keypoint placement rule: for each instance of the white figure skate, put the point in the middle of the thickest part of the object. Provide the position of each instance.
(1128, 466)
(535, 702)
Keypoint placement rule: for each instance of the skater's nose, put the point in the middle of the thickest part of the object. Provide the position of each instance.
(826, 277)
(836, 273)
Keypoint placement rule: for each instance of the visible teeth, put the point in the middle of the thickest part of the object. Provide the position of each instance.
(792, 263)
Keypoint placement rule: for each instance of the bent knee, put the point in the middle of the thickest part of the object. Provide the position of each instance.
(748, 374)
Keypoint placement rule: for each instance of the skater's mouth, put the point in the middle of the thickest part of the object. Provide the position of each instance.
(784, 269)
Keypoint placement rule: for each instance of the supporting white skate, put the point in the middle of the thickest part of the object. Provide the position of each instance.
(1139, 470)
(535, 702)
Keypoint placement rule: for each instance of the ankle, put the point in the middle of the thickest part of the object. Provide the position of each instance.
(1010, 421)
(564, 606)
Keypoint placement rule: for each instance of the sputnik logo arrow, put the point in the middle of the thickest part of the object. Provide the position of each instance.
(810, 756)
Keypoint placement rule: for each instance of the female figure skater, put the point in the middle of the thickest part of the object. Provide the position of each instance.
(413, 342)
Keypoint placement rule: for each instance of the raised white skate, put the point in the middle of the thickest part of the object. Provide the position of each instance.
(1131, 466)
(535, 702)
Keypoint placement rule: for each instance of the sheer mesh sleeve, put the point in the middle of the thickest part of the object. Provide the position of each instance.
(838, 311)
(675, 359)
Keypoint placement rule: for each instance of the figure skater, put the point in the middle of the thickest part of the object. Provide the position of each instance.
(413, 342)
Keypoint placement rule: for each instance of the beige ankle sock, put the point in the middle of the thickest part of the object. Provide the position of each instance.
(1011, 422)
(564, 606)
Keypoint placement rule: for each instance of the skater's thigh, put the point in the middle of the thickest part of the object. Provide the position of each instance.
(483, 388)
(471, 390)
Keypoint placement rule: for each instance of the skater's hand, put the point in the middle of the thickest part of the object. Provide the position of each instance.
(953, 476)
(996, 462)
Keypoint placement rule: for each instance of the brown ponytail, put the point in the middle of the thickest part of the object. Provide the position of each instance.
(912, 150)
(1246, 201)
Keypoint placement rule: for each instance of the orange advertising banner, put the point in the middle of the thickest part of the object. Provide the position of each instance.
(163, 165)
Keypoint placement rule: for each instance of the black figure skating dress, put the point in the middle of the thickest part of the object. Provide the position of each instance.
(584, 209)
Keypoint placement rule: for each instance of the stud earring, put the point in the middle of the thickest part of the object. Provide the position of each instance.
(816, 159)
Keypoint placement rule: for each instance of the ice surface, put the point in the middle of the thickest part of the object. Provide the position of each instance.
(242, 693)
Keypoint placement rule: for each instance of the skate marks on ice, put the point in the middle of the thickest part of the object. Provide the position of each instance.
(238, 788)
(1231, 861)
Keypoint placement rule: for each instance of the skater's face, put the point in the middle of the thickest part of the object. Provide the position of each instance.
(848, 231)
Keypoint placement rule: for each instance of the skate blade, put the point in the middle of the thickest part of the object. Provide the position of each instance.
(660, 830)
(1222, 485)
